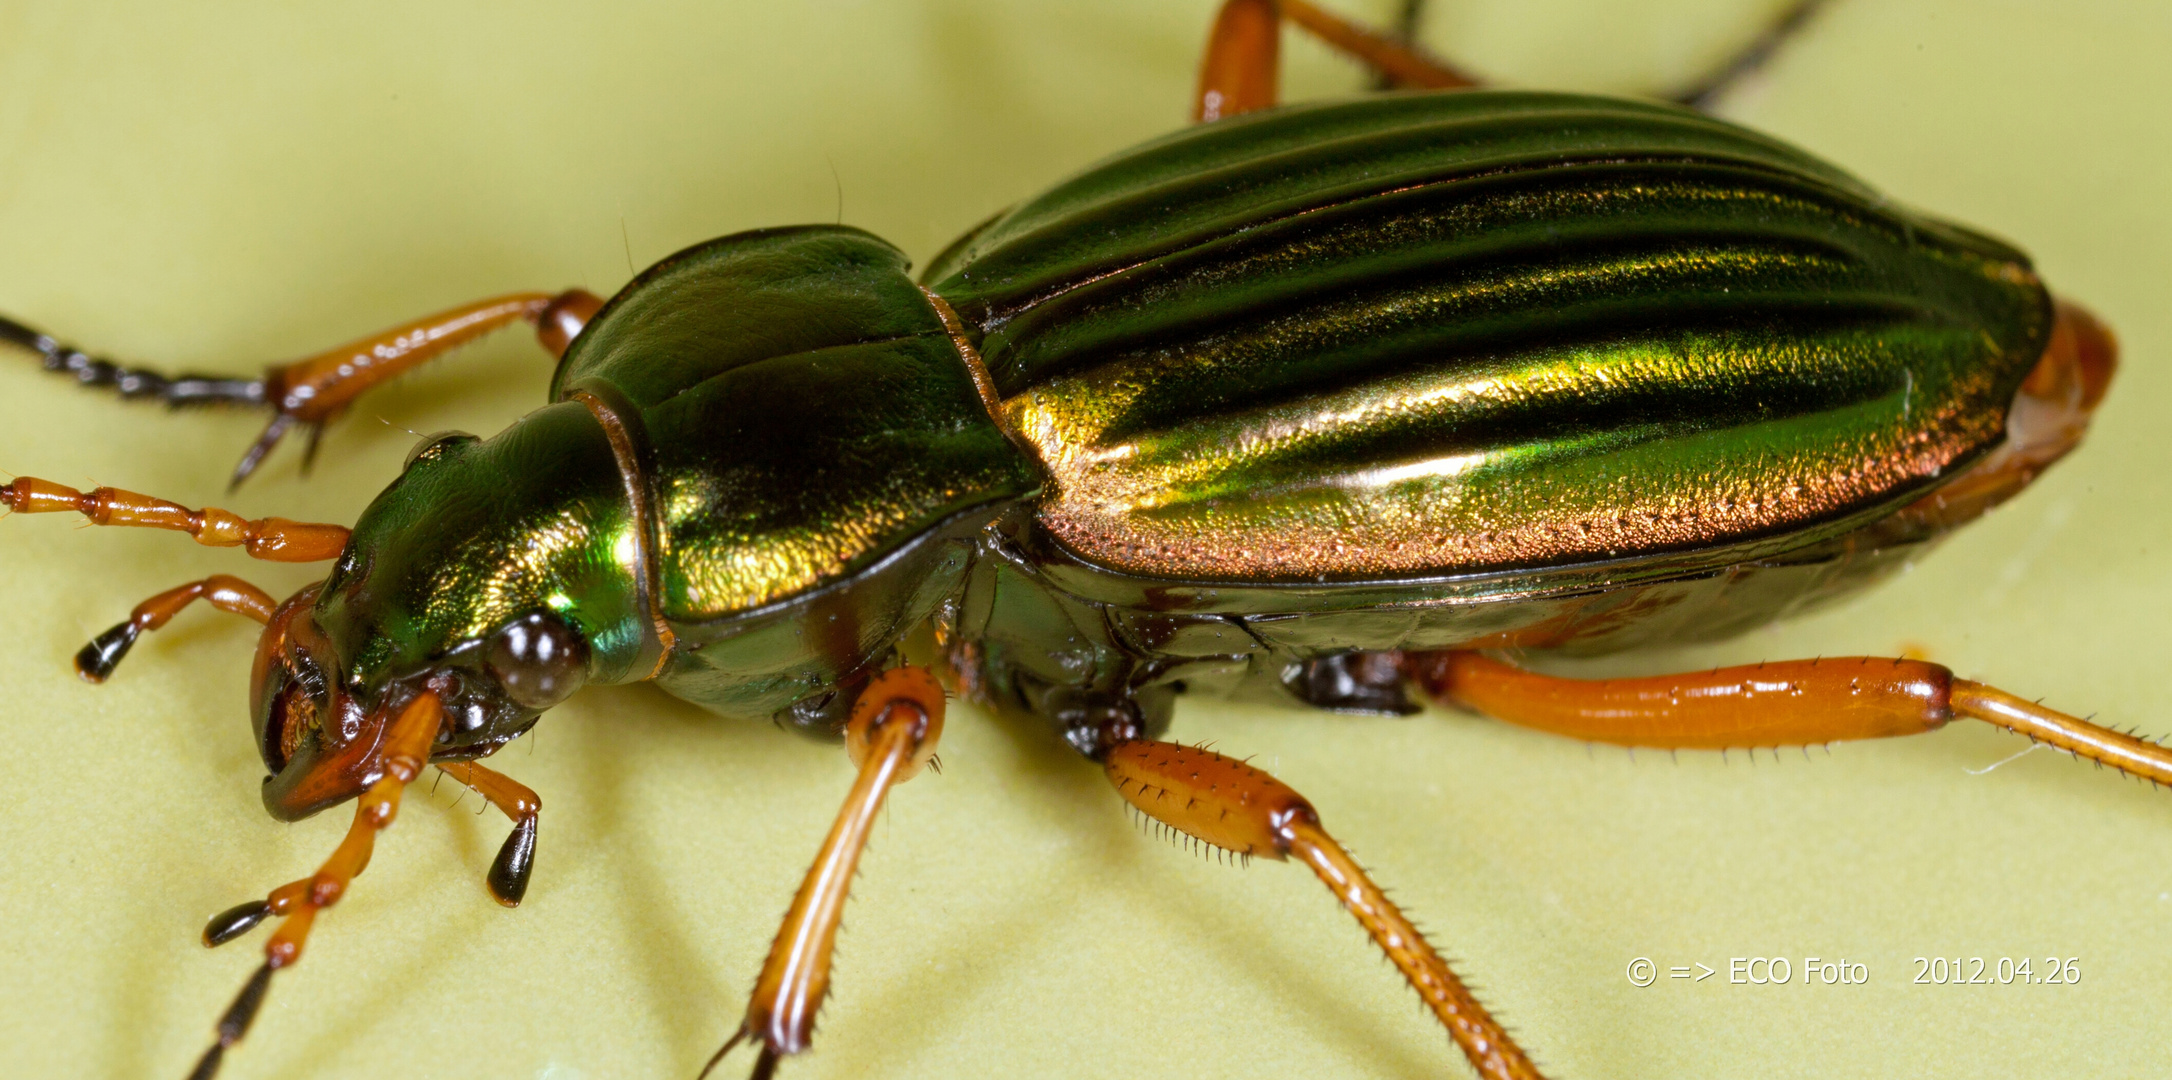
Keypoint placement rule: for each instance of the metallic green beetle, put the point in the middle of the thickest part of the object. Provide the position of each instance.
(1385, 374)
(1268, 407)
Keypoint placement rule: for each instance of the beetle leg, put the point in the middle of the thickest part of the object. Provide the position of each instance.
(1792, 703)
(174, 390)
(1238, 808)
(1399, 63)
(509, 872)
(1751, 58)
(1241, 67)
(406, 751)
(273, 539)
(311, 391)
(892, 734)
(95, 661)
(1239, 71)
(1243, 61)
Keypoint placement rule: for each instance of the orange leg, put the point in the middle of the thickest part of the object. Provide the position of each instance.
(1792, 703)
(892, 734)
(405, 751)
(311, 391)
(1241, 68)
(1234, 806)
(273, 539)
(96, 660)
(509, 872)
(1243, 62)
(1239, 71)
(1400, 63)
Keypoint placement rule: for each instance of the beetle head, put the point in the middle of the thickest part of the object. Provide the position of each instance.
(340, 660)
(486, 574)
(321, 732)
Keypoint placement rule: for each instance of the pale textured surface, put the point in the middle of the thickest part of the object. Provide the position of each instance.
(220, 188)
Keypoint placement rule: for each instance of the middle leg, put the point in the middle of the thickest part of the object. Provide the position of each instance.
(1230, 804)
(1240, 71)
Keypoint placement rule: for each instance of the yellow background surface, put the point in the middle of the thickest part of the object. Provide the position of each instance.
(216, 186)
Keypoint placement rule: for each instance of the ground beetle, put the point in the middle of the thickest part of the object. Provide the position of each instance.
(488, 685)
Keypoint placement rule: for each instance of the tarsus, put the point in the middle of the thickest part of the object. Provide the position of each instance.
(175, 391)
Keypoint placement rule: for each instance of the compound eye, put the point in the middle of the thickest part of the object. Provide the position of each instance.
(539, 659)
(433, 445)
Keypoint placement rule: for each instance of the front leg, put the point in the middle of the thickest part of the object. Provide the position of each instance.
(892, 735)
(309, 392)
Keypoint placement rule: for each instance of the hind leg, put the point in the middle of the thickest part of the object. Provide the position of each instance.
(1239, 73)
(1789, 703)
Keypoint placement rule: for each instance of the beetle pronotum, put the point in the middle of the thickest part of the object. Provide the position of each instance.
(1150, 918)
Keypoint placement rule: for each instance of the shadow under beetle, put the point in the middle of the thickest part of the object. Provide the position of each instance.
(1314, 404)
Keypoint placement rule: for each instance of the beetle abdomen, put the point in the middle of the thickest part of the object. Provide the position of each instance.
(1475, 332)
